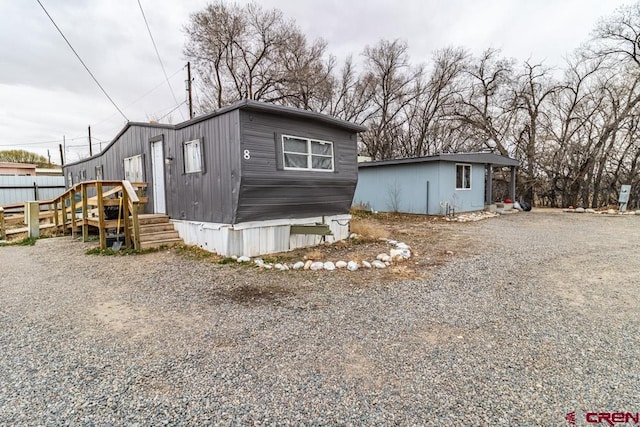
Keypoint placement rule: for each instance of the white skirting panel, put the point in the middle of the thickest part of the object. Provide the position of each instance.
(258, 237)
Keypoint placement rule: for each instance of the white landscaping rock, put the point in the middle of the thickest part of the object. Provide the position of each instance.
(341, 264)
(258, 261)
(378, 264)
(315, 266)
(402, 253)
(383, 257)
(402, 246)
(329, 266)
(353, 236)
(579, 210)
(298, 265)
(589, 210)
(280, 267)
(308, 264)
(243, 259)
(366, 264)
(392, 242)
(352, 266)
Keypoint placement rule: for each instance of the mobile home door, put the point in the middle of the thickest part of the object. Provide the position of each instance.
(157, 175)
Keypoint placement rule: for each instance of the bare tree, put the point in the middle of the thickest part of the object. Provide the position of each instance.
(486, 104)
(253, 53)
(428, 127)
(617, 37)
(391, 81)
(533, 88)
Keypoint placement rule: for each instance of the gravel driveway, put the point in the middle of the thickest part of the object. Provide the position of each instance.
(541, 319)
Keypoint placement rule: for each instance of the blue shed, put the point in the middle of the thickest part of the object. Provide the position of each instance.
(431, 185)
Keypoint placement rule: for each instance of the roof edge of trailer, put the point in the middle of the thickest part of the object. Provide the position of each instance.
(472, 157)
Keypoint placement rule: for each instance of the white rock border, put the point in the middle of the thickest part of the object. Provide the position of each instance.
(398, 252)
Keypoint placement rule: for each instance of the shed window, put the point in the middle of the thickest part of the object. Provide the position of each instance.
(133, 169)
(192, 156)
(305, 153)
(463, 177)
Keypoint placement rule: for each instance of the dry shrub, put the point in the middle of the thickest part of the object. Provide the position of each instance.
(313, 255)
(368, 229)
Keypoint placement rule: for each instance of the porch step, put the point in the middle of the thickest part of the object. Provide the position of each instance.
(158, 243)
(146, 219)
(160, 235)
(157, 230)
(157, 227)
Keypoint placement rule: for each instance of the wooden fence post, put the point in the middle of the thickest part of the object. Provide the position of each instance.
(72, 206)
(3, 234)
(103, 234)
(85, 213)
(127, 222)
(32, 219)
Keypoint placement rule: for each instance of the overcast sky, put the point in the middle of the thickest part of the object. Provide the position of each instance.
(45, 92)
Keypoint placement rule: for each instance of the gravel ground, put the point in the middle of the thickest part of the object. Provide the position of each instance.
(539, 318)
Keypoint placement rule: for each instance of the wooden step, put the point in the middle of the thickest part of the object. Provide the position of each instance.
(154, 228)
(158, 243)
(160, 235)
(145, 219)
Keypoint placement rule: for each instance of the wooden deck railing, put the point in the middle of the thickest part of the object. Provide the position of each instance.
(79, 208)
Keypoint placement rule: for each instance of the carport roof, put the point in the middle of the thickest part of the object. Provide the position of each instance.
(480, 157)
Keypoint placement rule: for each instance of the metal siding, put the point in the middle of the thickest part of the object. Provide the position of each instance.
(232, 190)
(10, 195)
(377, 187)
(209, 196)
(269, 193)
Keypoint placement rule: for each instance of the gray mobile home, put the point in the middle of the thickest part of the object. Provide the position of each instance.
(235, 181)
(434, 184)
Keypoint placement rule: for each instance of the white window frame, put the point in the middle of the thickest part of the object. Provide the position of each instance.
(309, 154)
(135, 174)
(464, 166)
(188, 150)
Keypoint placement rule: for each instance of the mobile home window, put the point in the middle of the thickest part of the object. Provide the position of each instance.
(305, 153)
(463, 177)
(192, 156)
(133, 169)
(99, 173)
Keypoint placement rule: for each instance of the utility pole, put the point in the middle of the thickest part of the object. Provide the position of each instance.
(61, 155)
(49, 155)
(90, 148)
(64, 145)
(189, 90)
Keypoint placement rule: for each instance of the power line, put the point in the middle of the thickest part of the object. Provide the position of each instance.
(19, 144)
(81, 61)
(158, 55)
(172, 110)
(141, 96)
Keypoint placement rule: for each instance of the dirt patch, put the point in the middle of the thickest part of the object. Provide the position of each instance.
(433, 242)
(254, 294)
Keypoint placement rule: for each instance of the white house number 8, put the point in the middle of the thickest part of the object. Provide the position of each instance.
(246, 155)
